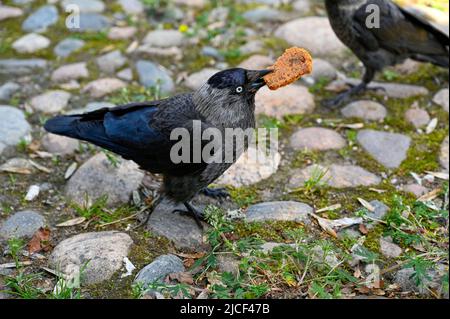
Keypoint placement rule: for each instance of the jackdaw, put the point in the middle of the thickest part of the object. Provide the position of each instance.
(380, 34)
(141, 132)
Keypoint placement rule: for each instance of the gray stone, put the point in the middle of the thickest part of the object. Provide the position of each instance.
(7, 12)
(323, 70)
(102, 87)
(164, 38)
(250, 169)
(380, 211)
(181, 230)
(416, 189)
(84, 5)
(288, 100)
(158, 269)
(69, 72)
(394, 90)
(152, 75)
(279, 211)
(337, 176)
(101, 254)
(268, 247)
(67, 46)
(21, 66)
(50, 102)
(263, 14)
(31, 43)
(132, 7)
(317, 139)
(111, 61)
(366, 110)
(7, 90)
(125, 74)
(59, 145)
(316, 34)
(389, 149)
(302, 6)
(197, 79)
(212, 52)
(98, 177)
(404, 279)
(389, 249)
(22, 225)
(257, 62)
(441, 98)
(121, 33)
(13, 126)
(329, 258)
(417, 117)
(443, 157)
(191, 3)
(91, 22)
(227, 263)
(41, 19)
(251, 47)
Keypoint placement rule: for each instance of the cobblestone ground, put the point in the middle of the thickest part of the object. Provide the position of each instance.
(354, 205)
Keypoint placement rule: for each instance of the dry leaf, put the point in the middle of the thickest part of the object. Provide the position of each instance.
(72, 222)
(329, 208)
(330, 226)
(363, 229)
(440, 175)
(430, 196)
(182, 277)
(17, 166)
(376, 190)
(366, 204)
(40, 241)
(40, 167)
(70, 170)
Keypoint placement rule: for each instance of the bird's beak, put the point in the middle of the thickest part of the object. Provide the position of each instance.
(256, 79)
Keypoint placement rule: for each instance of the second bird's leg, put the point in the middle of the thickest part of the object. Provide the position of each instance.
(193, 212)
(354, 90)
(215, 193)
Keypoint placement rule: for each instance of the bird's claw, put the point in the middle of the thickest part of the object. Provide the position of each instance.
(216, 193)
(194, 213)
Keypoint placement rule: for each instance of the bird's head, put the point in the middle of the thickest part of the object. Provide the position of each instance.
(230, 90)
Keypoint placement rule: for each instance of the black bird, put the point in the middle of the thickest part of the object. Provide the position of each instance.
(400, 35)
(141, 131)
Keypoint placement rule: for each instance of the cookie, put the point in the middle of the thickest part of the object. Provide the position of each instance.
(291, 66)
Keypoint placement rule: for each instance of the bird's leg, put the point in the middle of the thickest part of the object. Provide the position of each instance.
(216, 193)
(193, 212)
(156, 201)
(354, 90)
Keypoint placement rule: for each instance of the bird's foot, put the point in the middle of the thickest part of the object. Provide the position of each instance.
(192, 212)
(345, 96)
(216, 193)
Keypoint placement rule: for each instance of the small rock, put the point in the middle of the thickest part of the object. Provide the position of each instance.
(404, 278)
(59, 145)
(394, 90)
(41, 19)
(268, 247)
(196, 80)
(380, 211)
(292, 99)
(417, 117)
(125, 74)
(251, 47)
(21, 67)
(366, 110)
(323, 70)
(111, 61)
(279, 211)
(101, 254)
(31, 43)
(389, 249)
(67, 46)
(7, 12)
(13, 126)
(408, 67)
(121, 33)
(32, 193)
(92, 22)
(7, 90)
(191, 3)
(102, 87)
(212, 52)
(337, 176)
(263, 14)
(257, 62)
(316, 35)
(389, 149)
(69, 72)
(181, 230)
(84, 5)
(50, 102)
(164, 38)
(416, 189)
(228, 264)
(152, 75)
(22, 225)
(441, 98)
(317, 138)
(98, 177)
(250, 170)
(158, 269)
(329, 258)
(302, 6)
(133, 7)
(443, 157)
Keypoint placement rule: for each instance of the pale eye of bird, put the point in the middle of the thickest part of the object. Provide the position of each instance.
(239, 89)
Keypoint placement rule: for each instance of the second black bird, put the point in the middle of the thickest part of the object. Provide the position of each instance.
(141, 131)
